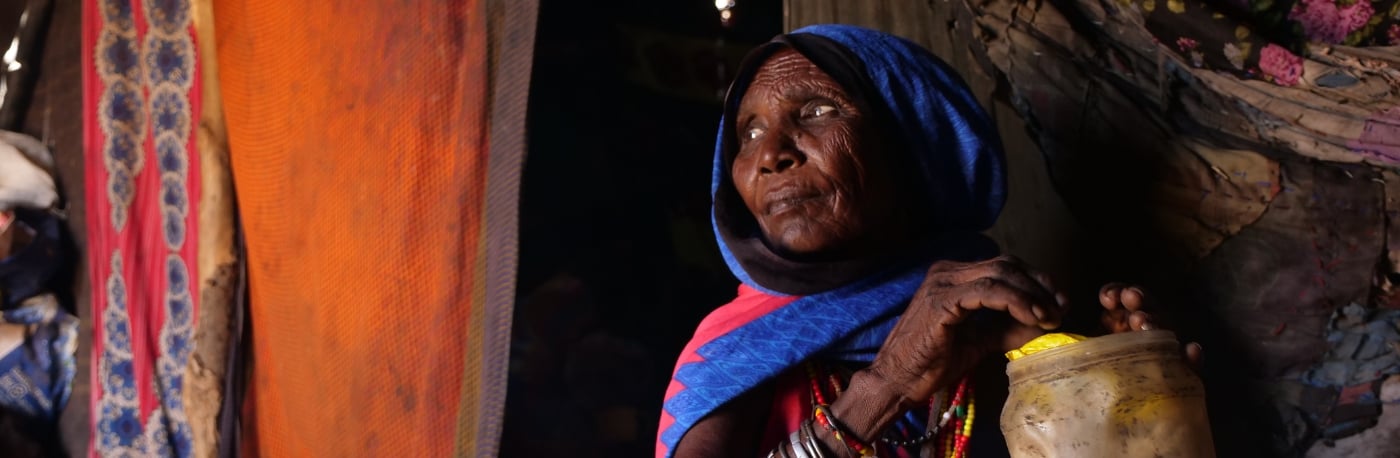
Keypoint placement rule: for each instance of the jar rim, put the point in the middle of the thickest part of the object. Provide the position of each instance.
(1091, 349)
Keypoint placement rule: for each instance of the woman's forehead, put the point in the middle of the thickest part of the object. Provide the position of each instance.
(787, 69)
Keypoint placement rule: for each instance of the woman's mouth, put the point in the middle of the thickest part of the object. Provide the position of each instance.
(789, 198)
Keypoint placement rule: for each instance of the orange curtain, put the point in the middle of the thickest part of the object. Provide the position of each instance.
(378, 209)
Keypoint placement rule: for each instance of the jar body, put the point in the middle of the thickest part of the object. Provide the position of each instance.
(1122, 395)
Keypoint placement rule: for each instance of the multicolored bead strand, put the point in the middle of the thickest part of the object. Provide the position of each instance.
(955, 438)
(949, 431)
(826, 421)
(966, 433)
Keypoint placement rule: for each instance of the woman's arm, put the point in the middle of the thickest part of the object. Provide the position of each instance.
(868, 406)
(937, 340)
(933, 345)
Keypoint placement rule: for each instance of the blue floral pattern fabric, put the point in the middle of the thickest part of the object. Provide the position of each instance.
(36, 378)
(36, 373)
(143, 95)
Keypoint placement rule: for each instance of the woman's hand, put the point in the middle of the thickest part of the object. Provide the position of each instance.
(941, 336)
(1125, 309)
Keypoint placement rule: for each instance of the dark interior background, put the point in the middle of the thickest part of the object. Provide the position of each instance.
(617, 260)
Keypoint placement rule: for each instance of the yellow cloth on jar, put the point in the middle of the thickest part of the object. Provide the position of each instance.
(1042, 343)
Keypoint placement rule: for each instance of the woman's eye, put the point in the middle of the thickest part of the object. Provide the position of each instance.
(752, 133)
(822, 110)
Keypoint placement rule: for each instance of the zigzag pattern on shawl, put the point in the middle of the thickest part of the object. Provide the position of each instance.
(848, 323)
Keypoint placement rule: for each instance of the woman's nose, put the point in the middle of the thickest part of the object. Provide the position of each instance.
(780, 154)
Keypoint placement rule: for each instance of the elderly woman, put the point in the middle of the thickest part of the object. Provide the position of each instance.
(853, 174)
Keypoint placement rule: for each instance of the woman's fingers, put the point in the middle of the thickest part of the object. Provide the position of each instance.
(1115, 320)
(1125, 308)
(1123, 320)
(995, 294)
(1061, 299)
(1110, 295)
(1195, 355)
(1115, 295)
(1014, 273)
(1140, 321)
(1133, 298)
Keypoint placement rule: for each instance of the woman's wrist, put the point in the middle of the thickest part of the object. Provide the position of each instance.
(868, 406)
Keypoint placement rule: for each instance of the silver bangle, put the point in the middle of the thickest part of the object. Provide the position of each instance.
(780, 452)
(803, 441)
(814, 448)
(799, 447)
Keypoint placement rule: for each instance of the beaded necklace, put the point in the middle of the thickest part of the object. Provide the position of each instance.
(950, 432)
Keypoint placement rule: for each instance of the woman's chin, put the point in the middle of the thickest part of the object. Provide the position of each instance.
(805, 245)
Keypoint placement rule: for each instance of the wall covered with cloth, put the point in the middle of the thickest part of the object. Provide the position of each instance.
(56, 52)
(376, 151)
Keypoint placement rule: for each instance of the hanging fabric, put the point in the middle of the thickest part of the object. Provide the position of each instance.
(140, 95)
(376, 153)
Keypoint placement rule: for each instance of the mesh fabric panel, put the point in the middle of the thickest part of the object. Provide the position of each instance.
(358, 133)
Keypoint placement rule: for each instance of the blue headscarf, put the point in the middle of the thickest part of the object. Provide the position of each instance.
(942, 132)
(843, 309)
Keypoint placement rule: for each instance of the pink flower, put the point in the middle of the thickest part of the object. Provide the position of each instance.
(1357, 14)
(1394, 34)
(1283, 66)
(1186, 44)
(1323, 21)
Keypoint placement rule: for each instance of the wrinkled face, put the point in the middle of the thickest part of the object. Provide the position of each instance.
(808, 165)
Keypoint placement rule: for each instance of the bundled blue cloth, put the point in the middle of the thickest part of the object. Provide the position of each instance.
(37, 376)
(790, 311)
